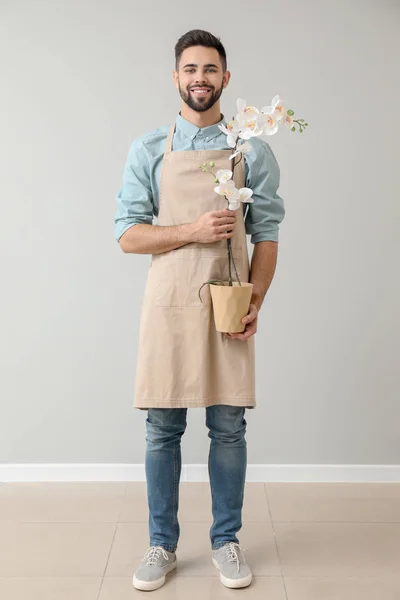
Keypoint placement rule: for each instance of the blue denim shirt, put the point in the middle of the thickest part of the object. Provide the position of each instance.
(138, 198)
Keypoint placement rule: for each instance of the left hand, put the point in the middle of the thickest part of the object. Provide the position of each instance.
(251, 325)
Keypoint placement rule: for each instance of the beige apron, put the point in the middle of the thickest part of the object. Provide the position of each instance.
(182, 360)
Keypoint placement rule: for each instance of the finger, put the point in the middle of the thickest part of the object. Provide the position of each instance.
(223, 213)
(225, 228)
(249, 318)
(246, 335)
(238, 336)
(251, 315)
(226, 220)
(249, 330)
(224, 223)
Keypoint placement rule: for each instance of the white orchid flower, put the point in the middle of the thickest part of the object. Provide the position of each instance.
(288, 121)
(232, 194)
(278, 113)
(228, 189)
(271, 125)
(276, 107)
(245, 196)
(231, 130)
(243, 147)
(248, 119)
(274, 115)
(223, 175)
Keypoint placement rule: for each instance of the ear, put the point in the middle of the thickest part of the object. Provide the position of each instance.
(227, 76)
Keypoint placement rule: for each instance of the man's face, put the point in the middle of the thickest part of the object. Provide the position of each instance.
(200, 78)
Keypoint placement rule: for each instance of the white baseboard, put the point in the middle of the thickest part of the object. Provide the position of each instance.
(262, 473)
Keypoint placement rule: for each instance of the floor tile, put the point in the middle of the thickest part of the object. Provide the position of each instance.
(61, 502)
(338, 549)
(352, 502)
(134, 506)
(54, 549)
(354, 588)
(49, 588)
(130, 544)
(195, 588)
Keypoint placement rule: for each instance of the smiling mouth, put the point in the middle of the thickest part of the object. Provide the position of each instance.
(200, 91)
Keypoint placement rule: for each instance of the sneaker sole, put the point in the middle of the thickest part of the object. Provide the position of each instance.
(233, 583)
(148, 586)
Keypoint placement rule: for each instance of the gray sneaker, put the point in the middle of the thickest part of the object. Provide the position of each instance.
(157, 562)
(230, 561)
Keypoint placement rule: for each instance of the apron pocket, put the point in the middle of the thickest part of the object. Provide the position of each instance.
(179, 278)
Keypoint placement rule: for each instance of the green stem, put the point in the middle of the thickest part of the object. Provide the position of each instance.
(234, 266)
(301, 125)
(229, 261)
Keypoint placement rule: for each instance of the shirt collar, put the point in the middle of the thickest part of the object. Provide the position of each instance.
(191, 130)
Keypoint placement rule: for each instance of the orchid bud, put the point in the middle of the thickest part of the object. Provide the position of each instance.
(212, 164)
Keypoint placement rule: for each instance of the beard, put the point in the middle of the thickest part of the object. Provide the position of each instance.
(199, 103)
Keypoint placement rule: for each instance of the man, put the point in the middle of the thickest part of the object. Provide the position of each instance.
(183, 361)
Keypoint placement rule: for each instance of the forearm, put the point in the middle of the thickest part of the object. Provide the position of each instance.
(155, 239)
(263, 266)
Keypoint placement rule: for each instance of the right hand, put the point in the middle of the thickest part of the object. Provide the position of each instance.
(214, 226)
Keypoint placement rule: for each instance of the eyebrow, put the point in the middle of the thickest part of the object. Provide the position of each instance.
(194, 65)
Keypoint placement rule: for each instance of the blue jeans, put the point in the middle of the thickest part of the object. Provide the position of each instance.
(227, 462)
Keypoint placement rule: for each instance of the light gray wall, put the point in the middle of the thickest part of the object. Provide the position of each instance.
(80, 80)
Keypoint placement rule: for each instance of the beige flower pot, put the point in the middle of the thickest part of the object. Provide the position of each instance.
(230, 305)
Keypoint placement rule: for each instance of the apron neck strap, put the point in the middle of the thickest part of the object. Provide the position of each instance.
(168, 144)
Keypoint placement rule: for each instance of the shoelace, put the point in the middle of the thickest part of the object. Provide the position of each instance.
(153, 554)
(233, 554)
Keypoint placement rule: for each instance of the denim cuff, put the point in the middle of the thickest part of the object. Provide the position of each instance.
(168, 547)
(219, 545)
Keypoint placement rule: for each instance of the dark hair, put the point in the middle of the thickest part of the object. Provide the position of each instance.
(199, 37)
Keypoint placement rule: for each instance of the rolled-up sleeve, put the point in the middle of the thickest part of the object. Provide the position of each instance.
(267, 211)
(135, 198)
